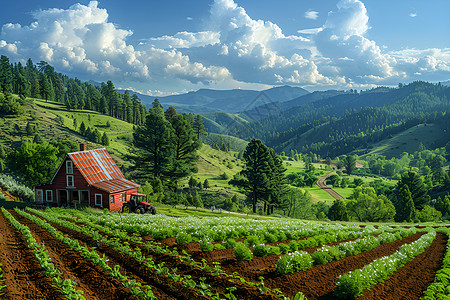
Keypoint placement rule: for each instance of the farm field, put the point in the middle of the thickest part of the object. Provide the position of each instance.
(86, 255)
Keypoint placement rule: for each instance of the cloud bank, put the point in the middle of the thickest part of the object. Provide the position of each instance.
(233, 50)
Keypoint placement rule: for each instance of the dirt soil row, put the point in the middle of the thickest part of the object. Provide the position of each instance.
(22, 272)
(219, 284)
(91, 279)
(315, 283)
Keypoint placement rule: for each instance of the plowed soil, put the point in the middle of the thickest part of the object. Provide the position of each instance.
(22, 272)
(25, 280)
(413, 279)
(91, 279)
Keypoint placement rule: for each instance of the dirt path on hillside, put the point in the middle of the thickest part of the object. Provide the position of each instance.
(323, 186)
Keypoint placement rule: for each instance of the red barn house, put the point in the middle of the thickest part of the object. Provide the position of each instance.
(87, 178)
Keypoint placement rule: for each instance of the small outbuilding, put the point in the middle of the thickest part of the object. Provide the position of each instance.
(87, 178)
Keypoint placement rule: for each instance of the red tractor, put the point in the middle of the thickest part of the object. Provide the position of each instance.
(136, 204)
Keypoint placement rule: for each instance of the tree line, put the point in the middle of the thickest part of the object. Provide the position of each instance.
(41, 81)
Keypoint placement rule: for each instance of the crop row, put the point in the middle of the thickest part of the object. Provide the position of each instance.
(134, 252)
(135, 287)
(300, 260)
(215, 229)
(353, 284)
(202, 287)
(440, 288)
(65, 286)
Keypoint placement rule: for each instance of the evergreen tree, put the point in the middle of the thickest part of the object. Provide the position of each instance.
(192, 182)
(105, 139)
(278, 187)
(185, 145)
(198, 126)
(30, 129)
(206, 184)
(96, 137)
(349, 164)
(6, 76)
(197, 200)
(255, 180)
(154, 150)
(419, 191)
(82, 128)
(404, 206)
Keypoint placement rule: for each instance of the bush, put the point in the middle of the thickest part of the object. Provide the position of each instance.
(284, 248)
(270, 238)
(260, 250)
(206, 246)
(293, 245)
(230, 243)
(293, 262)
(183, 238)
(219, 246)
(241, 252)
(2, 197)
(252, 240)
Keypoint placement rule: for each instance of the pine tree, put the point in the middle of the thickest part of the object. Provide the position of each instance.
(185, 145)
(198, 126)
(30, 129)
(277, 179)
(82, 128)
(206, 184)
(197, 200)
(419, 191)
(105, 139)
(255, 180)
(404, 206)
(154, 150)
(349, 164)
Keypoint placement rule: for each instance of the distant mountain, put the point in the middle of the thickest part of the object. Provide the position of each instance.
(230, 101)
(446, 83)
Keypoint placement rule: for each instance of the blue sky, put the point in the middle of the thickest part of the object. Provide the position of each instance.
(174, 46)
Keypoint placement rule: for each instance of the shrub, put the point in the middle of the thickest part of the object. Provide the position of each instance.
(183, 238)
(230, 243)
(284, 248)
(219, 246)
(293, 262)
(293, 245)
(260, 250)
(206, 246)
(241, 252)
(270, 238)
(252, 240)
(321, 256)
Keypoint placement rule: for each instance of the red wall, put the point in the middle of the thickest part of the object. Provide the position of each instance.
(59, 182)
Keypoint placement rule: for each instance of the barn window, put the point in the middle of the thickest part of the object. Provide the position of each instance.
(111, 198)
(69, 167)
(124, 197)
(39, 196)
(49, 195)
(98, 199)
(69, 180)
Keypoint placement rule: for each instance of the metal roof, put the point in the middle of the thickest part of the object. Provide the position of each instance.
(116, 185)
(100, 170)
